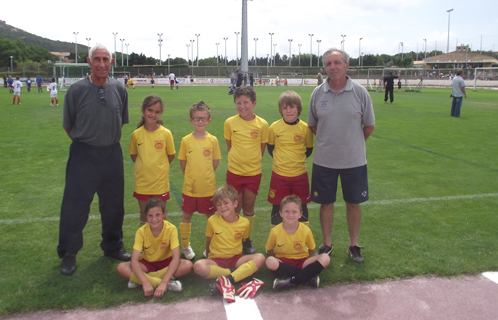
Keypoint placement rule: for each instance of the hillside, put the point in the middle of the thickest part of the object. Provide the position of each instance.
(13, 33)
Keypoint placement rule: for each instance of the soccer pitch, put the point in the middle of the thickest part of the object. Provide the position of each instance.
(433, 183)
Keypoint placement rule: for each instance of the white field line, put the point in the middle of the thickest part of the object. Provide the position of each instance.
(493, 276)
(263, 209)
(242, 309)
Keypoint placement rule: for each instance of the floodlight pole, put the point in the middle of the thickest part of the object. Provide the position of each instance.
(244, 41)
(271, 44)
(11, 65)
(88, 40)
(192, 45)
(122, 55)
(188, 45)
(76, 46)
(448, 43)
(274, 53)
(115, 33)
(160, 45)
(217, 62)
(299, 45)
(226, 57)
(425, 48)
(237, 48)
(290, 55)
(311, 48)
(343, 41)
(401, 44)
(127, 44)
(359, 52)
(255, 52)
(168, 63)
(318, 53)
(197, 35)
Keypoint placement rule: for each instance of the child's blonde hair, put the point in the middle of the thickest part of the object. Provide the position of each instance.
(200, 106)
(290, 98)
(291, 199)
(152, 203)
(150, 101)
(223, 192)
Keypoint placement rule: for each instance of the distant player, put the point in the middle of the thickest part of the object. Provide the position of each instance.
(10, 83)
(52, 88)
(17, 87)
(28, 84)
(172, 78)
(132, 84)
(152, 83)
(39, 83)
(126, 81)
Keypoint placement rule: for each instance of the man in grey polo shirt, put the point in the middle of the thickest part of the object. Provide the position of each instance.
(341, 116)
(95, 109)
(458, 92)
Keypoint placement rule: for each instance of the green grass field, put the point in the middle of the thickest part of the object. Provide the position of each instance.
(432, 209)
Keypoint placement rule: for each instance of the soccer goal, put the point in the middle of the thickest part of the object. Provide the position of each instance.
(486, 77)
(411, 78)
(68, 73)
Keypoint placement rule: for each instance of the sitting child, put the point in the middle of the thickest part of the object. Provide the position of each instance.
(232, 89)
(155, 260)
(290, 248)
(225, 232)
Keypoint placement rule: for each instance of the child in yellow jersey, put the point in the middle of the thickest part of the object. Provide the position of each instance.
(246, 136)
(225, 232)
(199, 157)
(290, 143)
(290, 248)
(155, 260)
(152, 149)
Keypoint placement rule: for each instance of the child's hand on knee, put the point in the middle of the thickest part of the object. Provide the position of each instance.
(148, 289)
(160, 290)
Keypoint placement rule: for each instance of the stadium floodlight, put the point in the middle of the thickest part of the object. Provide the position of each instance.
(311, 48)
(217, 62)
(192, 45)
(401, 44)
(359, 52)
(76, 46)
(267, 63)
(318, 53)
(255, 52)
(448, 43)
(274, 53)
(425, 48)
(226, 57)
(271, 44)
(343, 41)
(168, 63)
(188, 45)
(11, 65)
(237, 48)
(127, 44)
(115, 33)
(299, 45)
(122, 55)
(197, 35)
(88, 40)
(160, 45)
(290, 41)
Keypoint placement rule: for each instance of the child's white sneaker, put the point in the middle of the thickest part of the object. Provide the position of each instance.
(132, 285)
(174, 285)
(188, 253)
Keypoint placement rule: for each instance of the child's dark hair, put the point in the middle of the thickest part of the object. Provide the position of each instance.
(149, 101)
(200, 106)
(291, 199)
(245, 91)
(152, 203)
(53, 79)
(225, 192)
(290, 98)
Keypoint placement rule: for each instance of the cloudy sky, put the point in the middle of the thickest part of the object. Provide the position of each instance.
(382, 24)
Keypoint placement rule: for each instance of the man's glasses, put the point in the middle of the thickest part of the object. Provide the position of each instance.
(197, 119)
(101, 94)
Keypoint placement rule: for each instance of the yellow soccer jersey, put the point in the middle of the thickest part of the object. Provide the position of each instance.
(199, 179)
(244, 158)
(226, 238)
(291, 142)
(291, 246)
(152, 165)
(156, 248)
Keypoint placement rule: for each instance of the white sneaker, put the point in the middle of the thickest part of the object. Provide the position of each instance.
(174, 285)
(51, 105)
(188, 253)
(132, 285)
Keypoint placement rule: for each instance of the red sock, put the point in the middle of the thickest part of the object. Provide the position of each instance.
(14, 99)
(52, 101)
(56, 101)
(18, 100)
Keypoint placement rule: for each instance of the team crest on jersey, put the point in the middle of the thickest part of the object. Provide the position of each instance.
(298, 246)
(271, 193)
(159, 145)
(254, 133)
(164, 244)
(297, 137)
(237, 235)
(206, 152)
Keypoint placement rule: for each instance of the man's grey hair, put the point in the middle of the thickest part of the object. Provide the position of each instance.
(98, 47)
(459, 72)
(329, 51)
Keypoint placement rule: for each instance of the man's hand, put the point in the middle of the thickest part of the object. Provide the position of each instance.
(250, 289)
